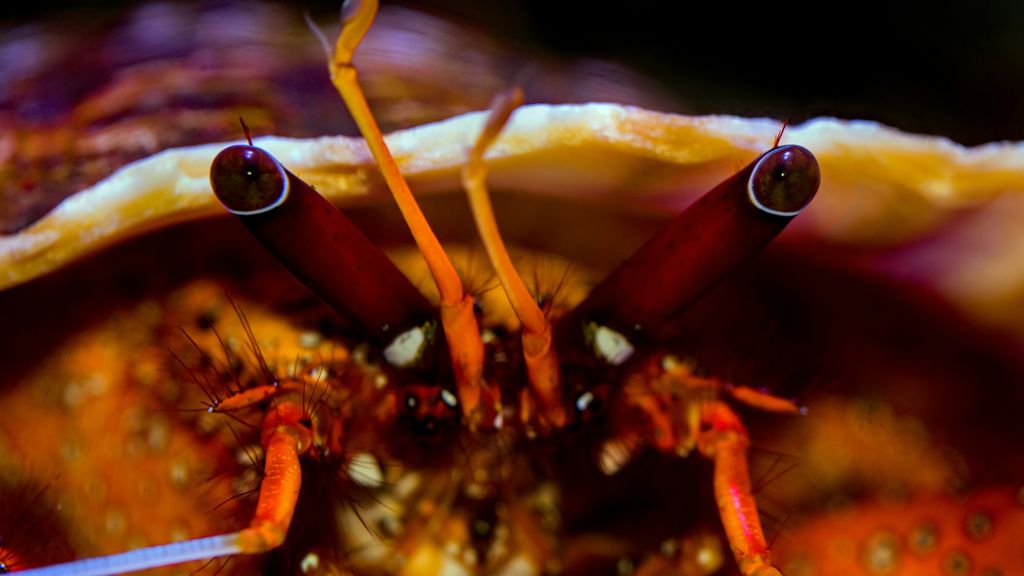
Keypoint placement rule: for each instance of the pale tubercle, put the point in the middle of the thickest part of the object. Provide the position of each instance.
(880, 187)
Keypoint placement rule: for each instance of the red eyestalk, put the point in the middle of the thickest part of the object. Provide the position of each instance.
(724, 227)
(317, 243)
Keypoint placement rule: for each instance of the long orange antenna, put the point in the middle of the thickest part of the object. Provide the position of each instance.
(457, 317)
(541, 361)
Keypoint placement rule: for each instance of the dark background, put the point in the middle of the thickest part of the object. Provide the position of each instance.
(942, 68)
(953, 68)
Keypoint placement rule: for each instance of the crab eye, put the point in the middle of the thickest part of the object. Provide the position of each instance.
(248, 180)
(784, 180)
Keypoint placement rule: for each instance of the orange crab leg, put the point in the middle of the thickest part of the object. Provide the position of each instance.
(457, 316)
(726, 444)
(246, 398)
(763, 400)
(258, 394)
(284, 439)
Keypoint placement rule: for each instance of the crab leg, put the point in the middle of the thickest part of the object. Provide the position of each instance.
(726, 443)
(284, 439)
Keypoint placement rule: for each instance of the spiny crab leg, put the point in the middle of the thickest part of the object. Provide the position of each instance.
(681, 411)
(457, 316)
(538, 352)
(285, 436)
(726, 444)
(261, 393)
(760, 399)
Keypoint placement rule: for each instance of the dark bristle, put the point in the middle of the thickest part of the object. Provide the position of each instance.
(557, 293)
(207, 390)
(771, 474)
(778, 137)
(31, 530)
(778, 531)
(232, 366)
(254, 347)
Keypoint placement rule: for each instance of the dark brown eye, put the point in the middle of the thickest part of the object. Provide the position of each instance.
(784, 180)
(248, 180)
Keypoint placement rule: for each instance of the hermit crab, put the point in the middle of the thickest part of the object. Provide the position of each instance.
(623, 403)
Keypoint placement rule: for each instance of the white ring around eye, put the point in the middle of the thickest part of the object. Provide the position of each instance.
(280, 199)
(753, 197)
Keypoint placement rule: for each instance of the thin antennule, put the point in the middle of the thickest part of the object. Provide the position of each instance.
(541, 360)
(245, 128)
(778, 137)
(457, 316)
(324, 43)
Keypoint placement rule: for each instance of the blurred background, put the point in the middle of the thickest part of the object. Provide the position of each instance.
(88, 87)
(949, 68)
